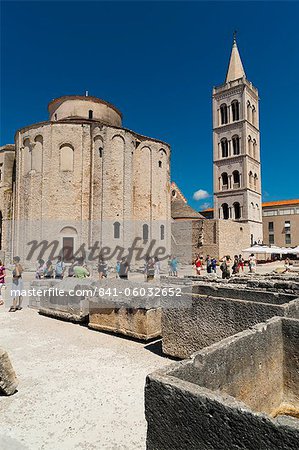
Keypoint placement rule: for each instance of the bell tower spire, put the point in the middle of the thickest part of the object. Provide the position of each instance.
(235, 67)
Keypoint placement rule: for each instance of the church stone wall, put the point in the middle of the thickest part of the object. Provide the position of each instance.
(78, 179)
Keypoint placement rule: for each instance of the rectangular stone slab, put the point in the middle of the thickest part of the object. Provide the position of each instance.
(241, 393)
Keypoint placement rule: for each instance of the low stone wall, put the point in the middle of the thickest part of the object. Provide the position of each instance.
(8, 378)
(217, 312)
(126, 308)
(64, 299)
(241, 393)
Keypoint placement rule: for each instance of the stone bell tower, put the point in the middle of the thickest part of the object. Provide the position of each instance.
(236, 143)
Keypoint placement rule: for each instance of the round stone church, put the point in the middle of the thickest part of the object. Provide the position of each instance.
(82, 183)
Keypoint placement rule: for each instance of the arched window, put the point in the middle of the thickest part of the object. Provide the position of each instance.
(224, 148)
(255, 181)
(250, 179)
(236, 179)
(254, 148)
(90, 114)
(237, 210)
(248, 111)
(66, 158)
(225, 211)
(235, 110)
(1, 220)
(249, 145)
(236, 145)
(100, 152)
(223, 114)
(162, 232)
(253, 115)
(116, 227)
(224, 179)
(145, 232)
(160, 163)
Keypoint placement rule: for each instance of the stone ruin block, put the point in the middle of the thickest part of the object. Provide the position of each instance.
(239, 394)
(216, 312)
(65, 299)
(8, 378)
(137, 315)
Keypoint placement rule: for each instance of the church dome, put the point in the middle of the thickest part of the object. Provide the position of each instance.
(76, 107)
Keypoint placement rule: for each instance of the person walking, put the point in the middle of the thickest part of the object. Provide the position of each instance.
(235, 267)
(117, 268)
(80, 270)
(2, 282)
(124, 269)
(48, 269)
(225, 267)
(252, 263)
(102, 269)
(209, 264)
(241, 263)
(157, 265)
(197, 264)
(174, 266)
(40, 269)
(17, 285)
(59, 268)
(214, 265)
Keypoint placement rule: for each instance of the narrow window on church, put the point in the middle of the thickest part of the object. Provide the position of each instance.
(225, 211)
(145, 232)
(250, 179)
(235, 110)
(160, 163)
(224, 148)
(90, 114)
(255, 181)
(237, 210)
(253, 115)
(162, 232)
(223, 114)
(100, 152)
(116, 227)
(236, 145)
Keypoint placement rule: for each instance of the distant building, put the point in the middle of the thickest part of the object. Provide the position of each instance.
(280, 222)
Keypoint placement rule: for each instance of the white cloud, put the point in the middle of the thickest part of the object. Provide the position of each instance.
(200, 194)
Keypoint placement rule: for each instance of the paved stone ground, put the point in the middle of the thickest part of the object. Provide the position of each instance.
(79, 389)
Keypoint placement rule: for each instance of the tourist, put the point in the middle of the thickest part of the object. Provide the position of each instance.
(117, 268)
(241, 263)
(157, 267)
(80, 270)
(214, 265)
(252, 263)
(197, 264)
(48, 269)
(59, 268)
(71, 272)
(102, 269)
(149, 269)
(174, 266)
(209, 264)
(2, 281)
(40, 269)
(124, 269)
(287, 264)
(225, 267)
(235, 267)
(17, 285)
(169, 266)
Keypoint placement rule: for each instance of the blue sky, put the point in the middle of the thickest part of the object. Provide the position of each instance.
(157, 62)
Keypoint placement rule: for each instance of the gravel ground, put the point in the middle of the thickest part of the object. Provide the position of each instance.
(78, 389)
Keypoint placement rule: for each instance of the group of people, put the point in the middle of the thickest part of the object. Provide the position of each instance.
(226, 265)
(151, 268)
(199, 262)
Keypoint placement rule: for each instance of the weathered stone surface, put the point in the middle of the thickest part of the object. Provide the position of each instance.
(65, 299)
(126, 308)
(217, 312)
(8, 379)
(227, 395)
